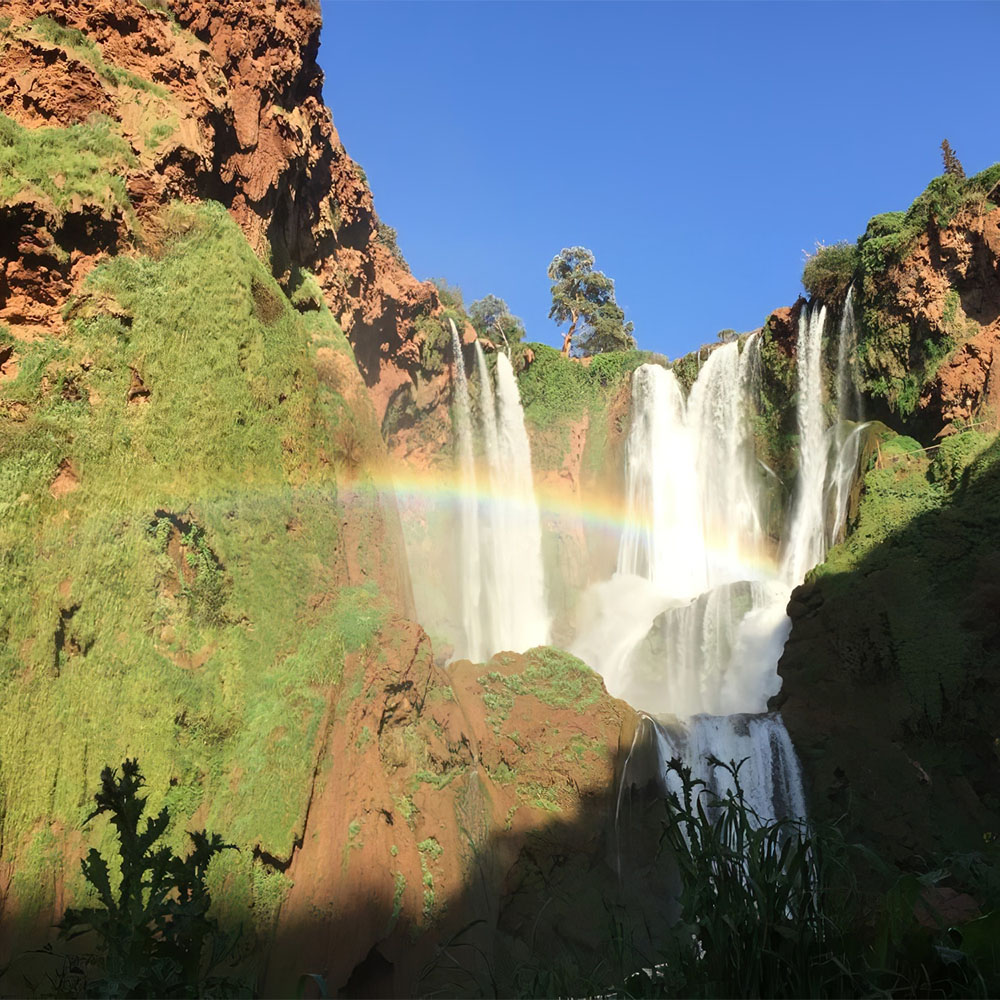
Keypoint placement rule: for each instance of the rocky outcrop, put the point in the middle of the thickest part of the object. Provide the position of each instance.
(889, 675)
(479, 803)
(213, 100)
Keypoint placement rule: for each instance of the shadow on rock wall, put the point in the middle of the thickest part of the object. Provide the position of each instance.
(891, 674)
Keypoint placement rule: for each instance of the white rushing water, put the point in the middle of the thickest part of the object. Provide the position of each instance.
(806, 539)
(520, 580)
(846, 432)
(469, 550)
(691, 627)
(501, 577)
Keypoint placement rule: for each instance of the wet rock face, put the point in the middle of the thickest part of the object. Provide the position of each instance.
(217, 100)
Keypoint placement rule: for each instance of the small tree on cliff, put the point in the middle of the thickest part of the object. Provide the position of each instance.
(586, 299)
(491, 318)
(952, 164)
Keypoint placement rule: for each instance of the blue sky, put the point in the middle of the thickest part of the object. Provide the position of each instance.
(697, 149)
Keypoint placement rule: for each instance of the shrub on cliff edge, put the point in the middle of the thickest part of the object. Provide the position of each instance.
(829, 272)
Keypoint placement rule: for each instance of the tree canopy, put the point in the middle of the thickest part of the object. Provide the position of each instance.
(491, 318)
(586, 299)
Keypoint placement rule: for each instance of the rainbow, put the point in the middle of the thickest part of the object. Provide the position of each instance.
(598, 511)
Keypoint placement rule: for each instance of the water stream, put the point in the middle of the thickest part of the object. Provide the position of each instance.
(690, 626)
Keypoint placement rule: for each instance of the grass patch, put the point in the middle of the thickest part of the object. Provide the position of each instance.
(430, 851)
(181, 602)
(78, 43)
(66, 165)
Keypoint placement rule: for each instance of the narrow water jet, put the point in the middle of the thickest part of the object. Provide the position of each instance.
(470, 568)
(806, 544)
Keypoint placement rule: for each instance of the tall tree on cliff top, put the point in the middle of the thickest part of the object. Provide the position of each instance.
(952, 164)
(491, 318)
(586, 298)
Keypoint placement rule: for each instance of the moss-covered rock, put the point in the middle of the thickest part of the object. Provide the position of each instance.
(891, 670)
(183, 571)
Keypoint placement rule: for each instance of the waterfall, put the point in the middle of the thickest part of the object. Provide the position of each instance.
(469, 549)
(846, 435)
(500, 571)
(520, 584)
(770, 778)
(692, 624)
(662, 541)
(718, 412)
(492, 539)
(806, 543)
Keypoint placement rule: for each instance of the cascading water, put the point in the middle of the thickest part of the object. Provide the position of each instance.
(691, 625)
(806, 543)
(491, 530)
(846, 432)
(701, 617)
(520, 584)
(663, 534)
(501, 578)
(703, 612)
(469, 550)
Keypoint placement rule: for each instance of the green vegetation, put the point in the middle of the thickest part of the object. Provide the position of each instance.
(773, 909)
(585, 298)
(66, 165)
(399, 887)
(829, 272)
(430, 851)
(556, 678)
(78, 43)
(172, 561)
(898, 586)
(151, 925)
(388, 237)
(557, 391)
(540, 796)
(492, 319)
(898, 353)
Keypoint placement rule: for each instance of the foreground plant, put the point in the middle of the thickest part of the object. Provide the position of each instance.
(152, 929)
(773, 909)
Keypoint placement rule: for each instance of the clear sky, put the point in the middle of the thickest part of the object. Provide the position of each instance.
(697, 149)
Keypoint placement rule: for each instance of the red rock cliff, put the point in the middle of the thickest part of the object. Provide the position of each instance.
(216, 99)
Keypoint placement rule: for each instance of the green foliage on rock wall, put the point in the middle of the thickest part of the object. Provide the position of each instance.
(828, 272)
(63, 166)
(906, 576)
(87, 49)
(900, 352)
(557, 392)
(169, 541)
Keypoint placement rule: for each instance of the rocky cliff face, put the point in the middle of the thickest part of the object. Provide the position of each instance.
(199, 567)
(213, 100)
(931, 326)
(889, 674)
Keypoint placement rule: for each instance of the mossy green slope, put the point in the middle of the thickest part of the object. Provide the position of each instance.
(173, 580)
(891, 668)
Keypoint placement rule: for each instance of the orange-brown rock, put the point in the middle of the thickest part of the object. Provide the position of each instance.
(784, 326)
(216, 99)
(442, 798)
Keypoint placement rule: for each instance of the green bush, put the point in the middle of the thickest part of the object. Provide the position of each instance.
(828, 272)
